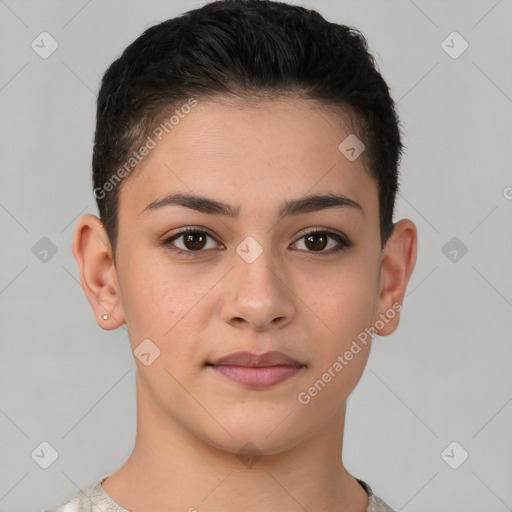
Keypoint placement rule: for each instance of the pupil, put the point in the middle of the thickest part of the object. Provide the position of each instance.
(194, 244)
(316, 246)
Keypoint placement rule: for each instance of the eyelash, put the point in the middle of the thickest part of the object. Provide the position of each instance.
(343, 241)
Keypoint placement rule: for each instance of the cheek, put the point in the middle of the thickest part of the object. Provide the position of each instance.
(337, 367)
(149, 288)
(166, 304)
(348, 301)
(150, 295)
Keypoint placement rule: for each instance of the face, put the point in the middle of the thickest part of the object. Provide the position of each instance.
(253, 276)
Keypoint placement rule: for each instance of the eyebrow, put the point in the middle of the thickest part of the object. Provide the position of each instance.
(307, 204)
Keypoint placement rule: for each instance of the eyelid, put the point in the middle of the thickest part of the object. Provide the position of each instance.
(323, 229)
(187, 229)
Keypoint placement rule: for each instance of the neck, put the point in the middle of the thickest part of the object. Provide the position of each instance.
(172, 469)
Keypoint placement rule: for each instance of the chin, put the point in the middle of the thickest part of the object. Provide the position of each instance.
(256, 437)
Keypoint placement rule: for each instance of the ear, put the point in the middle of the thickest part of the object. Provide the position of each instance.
(98, 276)
(397, 263)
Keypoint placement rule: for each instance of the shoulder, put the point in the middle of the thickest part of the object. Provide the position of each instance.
(375, 504)
(92, 499)
(66, 507)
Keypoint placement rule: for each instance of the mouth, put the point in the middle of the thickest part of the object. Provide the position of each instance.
(257, 371)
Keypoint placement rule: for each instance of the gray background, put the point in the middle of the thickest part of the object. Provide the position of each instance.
(443, 376)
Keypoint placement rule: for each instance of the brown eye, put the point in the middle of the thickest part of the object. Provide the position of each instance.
(194, 241)
(318, 241)
(189, 241)
(321, 241)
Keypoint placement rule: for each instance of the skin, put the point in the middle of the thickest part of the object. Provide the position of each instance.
(294, 297)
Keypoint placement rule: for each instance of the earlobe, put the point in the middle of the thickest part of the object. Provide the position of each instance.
(93, 254)
(398, 260)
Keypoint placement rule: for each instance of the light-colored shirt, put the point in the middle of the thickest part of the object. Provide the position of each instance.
(95, 499)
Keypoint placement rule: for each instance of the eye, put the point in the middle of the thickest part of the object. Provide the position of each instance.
(317, 241)
(189, 240)
(193, 240)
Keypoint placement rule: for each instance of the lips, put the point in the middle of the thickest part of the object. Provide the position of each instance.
(257, 370)
(248, 359)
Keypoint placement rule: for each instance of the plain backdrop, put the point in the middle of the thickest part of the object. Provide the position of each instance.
(443, 377)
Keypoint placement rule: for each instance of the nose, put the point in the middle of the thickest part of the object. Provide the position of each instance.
(258, 295)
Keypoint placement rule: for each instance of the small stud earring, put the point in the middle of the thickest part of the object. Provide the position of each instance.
(105, 316)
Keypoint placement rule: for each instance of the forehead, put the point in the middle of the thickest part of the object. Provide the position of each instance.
(252, 155)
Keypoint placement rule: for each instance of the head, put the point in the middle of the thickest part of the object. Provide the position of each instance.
(255, 123)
